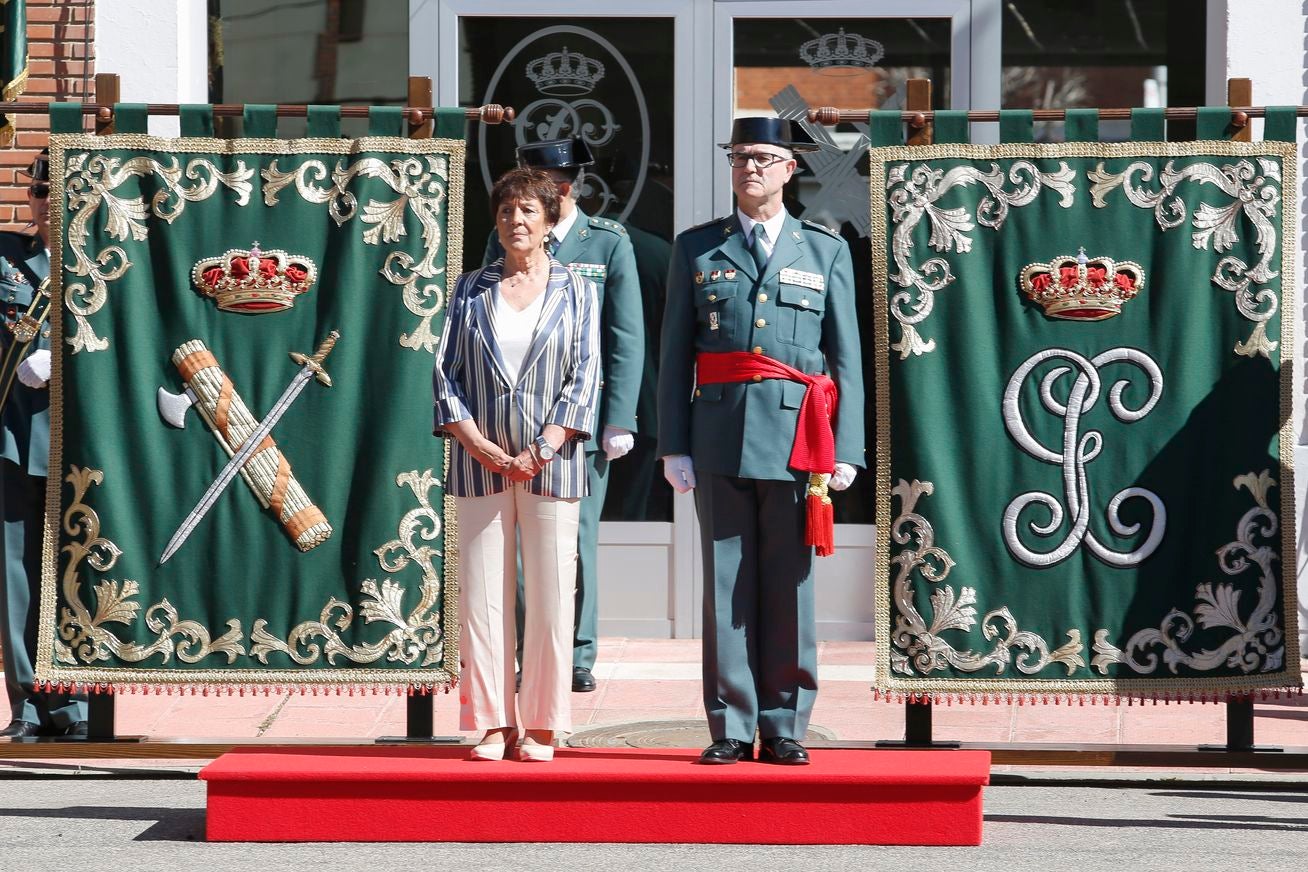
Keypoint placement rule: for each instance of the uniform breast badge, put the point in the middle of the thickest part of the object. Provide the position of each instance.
(252, 281)
(590, 270)
(699, 278)
(1082, 288)
(729, 275)
(715, 275)
(811, 280)
(714, 320)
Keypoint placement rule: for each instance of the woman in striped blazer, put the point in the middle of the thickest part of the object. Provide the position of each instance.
(516, 385)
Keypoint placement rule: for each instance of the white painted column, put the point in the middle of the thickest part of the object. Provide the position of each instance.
(1263, 40)
(159, 48)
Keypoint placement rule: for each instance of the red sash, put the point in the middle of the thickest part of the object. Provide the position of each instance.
(814, 447)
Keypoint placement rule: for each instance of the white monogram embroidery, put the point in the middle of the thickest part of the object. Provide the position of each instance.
(1077, 451)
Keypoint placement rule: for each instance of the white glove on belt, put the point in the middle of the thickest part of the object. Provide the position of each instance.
(34, 371)
(843, 477)
(679, 471)
(616, 442)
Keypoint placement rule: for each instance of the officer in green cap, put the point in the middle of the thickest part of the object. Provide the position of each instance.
(25, 428)
(759, 348)
(600, 250)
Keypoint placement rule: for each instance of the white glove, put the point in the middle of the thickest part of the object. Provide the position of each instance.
(34, 371)
(679, 471)
(843, 477)
(617, 442)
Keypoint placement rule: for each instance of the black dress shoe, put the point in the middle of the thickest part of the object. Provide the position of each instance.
(786, 752)
(582, 680)
(20, 730)
(727, 751)
(75, 730)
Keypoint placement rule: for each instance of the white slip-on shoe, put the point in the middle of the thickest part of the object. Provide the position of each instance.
(493, 750)
(531, 751)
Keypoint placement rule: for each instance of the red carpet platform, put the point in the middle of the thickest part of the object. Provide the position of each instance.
(845, 797)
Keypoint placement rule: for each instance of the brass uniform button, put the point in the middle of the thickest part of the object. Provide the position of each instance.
(758, 349)
(762, 298)
(758, 378)
(712, 297)
(804, 302)
(698, 392)
(760, 323)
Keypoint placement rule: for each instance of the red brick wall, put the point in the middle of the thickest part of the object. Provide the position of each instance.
(61, 51)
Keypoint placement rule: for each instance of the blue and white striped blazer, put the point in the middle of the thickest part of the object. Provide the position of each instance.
(557, 384)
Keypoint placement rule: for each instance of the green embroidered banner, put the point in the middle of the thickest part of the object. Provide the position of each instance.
(201, 280)
(1084, 401)
(13, 60)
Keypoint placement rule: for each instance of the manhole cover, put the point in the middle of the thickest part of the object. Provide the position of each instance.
(661, 734)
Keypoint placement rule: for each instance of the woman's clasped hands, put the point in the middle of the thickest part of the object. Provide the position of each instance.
(524, 467)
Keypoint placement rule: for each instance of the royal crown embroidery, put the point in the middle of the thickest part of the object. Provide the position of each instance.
(254, 281)
(1082, 288)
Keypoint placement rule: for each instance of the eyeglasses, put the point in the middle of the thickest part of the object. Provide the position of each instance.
(39, 190)
(761, 159)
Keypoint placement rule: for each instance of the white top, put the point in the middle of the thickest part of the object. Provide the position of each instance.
(514, 331)
(772, 226)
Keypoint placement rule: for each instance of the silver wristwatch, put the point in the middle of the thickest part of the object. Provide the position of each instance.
(544, 450)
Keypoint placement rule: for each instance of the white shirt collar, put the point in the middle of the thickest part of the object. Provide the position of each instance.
(772, 225)
(561, 229)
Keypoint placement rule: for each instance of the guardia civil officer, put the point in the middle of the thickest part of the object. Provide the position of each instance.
(25, 429)
(759, 325)
(597, 249)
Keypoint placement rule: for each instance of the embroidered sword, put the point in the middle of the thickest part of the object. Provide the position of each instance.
(310, 368)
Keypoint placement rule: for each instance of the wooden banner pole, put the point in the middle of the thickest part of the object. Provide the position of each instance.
(491, 113)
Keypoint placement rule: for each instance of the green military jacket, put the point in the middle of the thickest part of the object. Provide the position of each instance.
(599, 250)
(24, 264)
(801, 313)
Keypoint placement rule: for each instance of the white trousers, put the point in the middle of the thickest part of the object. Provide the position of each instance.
(488, 585)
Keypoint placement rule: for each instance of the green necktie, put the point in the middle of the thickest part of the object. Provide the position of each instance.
(756, 248)
(552, 244)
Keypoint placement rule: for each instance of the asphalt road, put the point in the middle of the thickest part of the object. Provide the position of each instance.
(85, 823)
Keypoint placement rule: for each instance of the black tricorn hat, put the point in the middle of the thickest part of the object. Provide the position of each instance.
(39, 171)
(770, 131)
(556, 154)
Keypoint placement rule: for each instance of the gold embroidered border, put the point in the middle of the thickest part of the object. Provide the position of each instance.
(130, 214)
(878, 158)
(101, 553)
(396, 679)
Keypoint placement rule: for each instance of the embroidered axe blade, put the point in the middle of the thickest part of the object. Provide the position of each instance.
(173, 408)
(310, 368)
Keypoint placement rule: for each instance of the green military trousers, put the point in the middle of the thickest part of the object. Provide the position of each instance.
(585, 633)
(22, 505)
(760, 636)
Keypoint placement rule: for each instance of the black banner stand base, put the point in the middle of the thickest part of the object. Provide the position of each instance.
(917, 732)
(1240, 730)
(419, 723)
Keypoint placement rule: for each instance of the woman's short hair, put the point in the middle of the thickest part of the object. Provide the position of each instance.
(526, 183)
